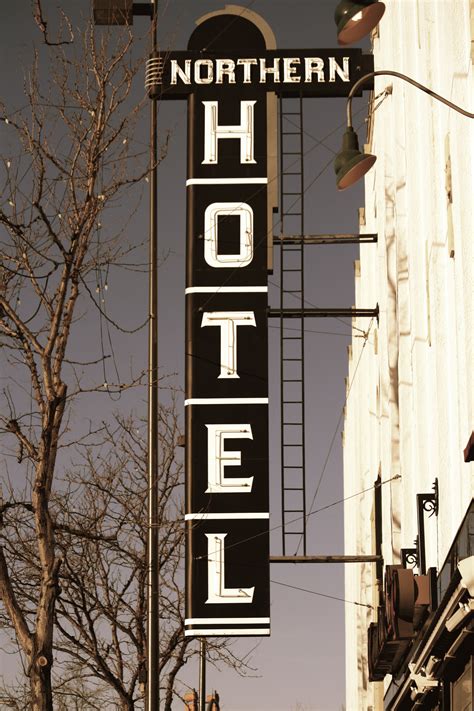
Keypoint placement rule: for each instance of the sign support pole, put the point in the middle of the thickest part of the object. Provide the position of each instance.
(326, 559)
(202, 674)
(153, 640)
(114, 12)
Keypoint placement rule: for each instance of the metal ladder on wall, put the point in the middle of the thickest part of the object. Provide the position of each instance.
(292, 371)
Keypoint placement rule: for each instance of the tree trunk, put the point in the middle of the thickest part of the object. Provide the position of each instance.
(40, 686)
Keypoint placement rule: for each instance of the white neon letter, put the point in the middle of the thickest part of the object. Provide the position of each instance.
(225, 67)
(211, 234)
(334, 69)
(247, 64)
(243, 131)
(289, 70)
(218, 458)
(228, 322)
(314, 65)
(264, 70)
(198, 78)
(217, 591)
(176, 72)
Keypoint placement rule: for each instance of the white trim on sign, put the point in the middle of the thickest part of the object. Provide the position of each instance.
(233, 632)
(225, 516)
(226, 290)
(227, 181)
(227, 620)
(226, 401)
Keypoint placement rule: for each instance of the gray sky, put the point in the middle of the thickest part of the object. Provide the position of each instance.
(302, 665)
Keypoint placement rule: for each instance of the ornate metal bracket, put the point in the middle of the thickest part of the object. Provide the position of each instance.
(425, 503)
(430, 502)
(409, 557)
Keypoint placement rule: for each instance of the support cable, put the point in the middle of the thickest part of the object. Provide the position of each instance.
(320, 594)
(312, 513)
(326, 461)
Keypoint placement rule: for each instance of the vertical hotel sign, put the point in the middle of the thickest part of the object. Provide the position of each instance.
(227, 75)
(227, 494)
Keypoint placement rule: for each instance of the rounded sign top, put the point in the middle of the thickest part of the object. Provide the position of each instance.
(232, 29)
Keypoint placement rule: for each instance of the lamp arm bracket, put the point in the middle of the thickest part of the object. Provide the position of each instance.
(399, 75)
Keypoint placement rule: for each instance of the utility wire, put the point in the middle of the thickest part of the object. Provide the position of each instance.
(298, 518)
(309, 330)
(320, 594)
(326, 461)
(318, 142)
(229, 24)
(265, 187)
(213, 361)
(311, 511)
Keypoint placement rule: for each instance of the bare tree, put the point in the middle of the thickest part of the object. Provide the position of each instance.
(99, 519)
(70, 159)
(72, 548)
(101, 530)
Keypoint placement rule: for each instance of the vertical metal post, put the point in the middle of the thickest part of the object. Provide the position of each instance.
(282, 330)
(202, 675)
(428, 503)
(153, 639)
(378, 537)
(303, 388)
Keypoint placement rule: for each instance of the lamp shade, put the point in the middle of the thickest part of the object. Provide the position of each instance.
(350, 164)
(356, 19)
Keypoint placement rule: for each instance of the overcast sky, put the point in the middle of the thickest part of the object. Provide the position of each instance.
(302, 665)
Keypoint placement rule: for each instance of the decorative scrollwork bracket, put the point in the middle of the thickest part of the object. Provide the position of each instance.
(426, 503)
(409, 557)
(430, 502)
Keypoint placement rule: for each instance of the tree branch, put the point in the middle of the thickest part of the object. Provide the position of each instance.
(43, 26)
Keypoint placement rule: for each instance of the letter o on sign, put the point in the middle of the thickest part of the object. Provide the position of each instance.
(211, 234)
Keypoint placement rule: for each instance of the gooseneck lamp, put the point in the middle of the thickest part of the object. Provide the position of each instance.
(350, 163)
(355, 20)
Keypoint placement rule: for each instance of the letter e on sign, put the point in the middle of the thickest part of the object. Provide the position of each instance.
(218, 459)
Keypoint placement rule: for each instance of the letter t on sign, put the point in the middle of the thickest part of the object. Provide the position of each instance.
(228, 322)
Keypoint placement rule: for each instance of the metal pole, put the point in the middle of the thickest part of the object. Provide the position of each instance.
(343, 238)
(323, 313)
(202, 675)
(326, 559)
(153, 640)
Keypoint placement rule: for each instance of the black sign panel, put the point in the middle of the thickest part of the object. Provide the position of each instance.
(244, 455)
(217, 346)
(227, 500)
(240, 604)
(288, 72)
(226, 220)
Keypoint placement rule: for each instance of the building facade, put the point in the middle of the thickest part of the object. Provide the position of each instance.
(410, 390)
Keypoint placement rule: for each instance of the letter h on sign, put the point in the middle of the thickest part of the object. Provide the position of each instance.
(227, 519)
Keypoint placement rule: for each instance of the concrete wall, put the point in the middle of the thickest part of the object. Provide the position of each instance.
(410, 408)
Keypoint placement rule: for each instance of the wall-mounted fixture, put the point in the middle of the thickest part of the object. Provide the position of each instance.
(355, 20)
(350, 163)
(408, 599)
